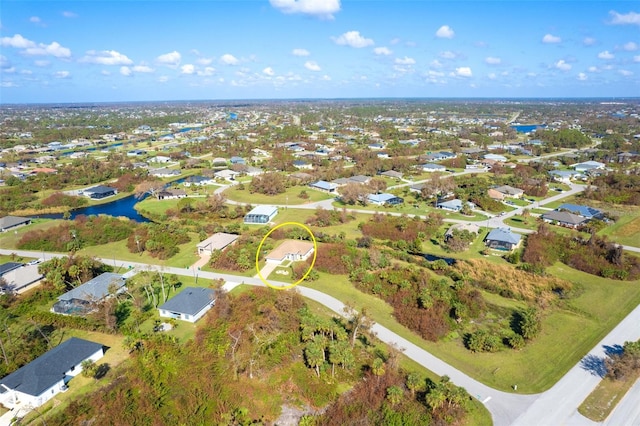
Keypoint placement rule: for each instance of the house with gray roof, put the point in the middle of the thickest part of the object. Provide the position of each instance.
(18, 276)
(10, 222)
(40, 380)
(325, 186)
(99, 192)
(564, 218)
(384, 199)
(189, 305)
(82, 299)
(218, 241)
(502, 239)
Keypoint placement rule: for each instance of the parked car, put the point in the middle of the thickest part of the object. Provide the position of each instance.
(35, 262)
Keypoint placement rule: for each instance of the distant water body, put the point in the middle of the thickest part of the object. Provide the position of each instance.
(526, 128)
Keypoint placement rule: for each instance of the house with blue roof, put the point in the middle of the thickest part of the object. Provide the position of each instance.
(189, 305)
(325, 186)
(502, 239)
(584, 211)
(384, 199)
(46, 376)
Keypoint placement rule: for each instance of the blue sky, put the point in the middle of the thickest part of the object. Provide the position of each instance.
(83, 51)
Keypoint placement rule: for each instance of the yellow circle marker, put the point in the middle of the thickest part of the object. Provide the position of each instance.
(313, 262)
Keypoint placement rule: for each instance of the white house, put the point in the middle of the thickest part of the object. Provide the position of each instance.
(43, 378)
(218, 241)
(189, 305)
(261, 214)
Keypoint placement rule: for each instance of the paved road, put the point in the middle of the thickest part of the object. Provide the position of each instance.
(557, 406)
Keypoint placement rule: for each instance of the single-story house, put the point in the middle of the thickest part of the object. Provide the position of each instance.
(510, 191)
(189, 305)
(44, 377)
(218, 241)
(588, 166)
(584, 211)
(159, 159)
(302, 165)
(165, 172)
(82, 299)
(453, 205)
(502, 239)
(18, 276)
(564, 218)
(251, 171)
(136, 153)
(322, 185)
(294, 250)
(360, 179)
(9, 222)
(198, 181)
(237, 160)
(171, 194)
(564, 176)
(99, 192)
(439, 156)
(432, 167)
(261, 214)
(392, 174)
(226, 174)
(496, 157)
(382, 199)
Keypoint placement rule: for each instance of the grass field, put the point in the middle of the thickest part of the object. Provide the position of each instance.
(626, 230)
(290, 197)
(9, 240)
(604, 398)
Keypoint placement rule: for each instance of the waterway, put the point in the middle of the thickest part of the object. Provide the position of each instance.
(526, 128)
(122, 207)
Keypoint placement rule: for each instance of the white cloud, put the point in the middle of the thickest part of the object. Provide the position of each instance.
(8, 84)
(630, 47)
(206, 72)
(325, 78)
(35, 19)
(4, 62)
(353, 39)
(171, 59)
(323, 9)
(562, 65)
(105, 72)
(463, 72)
(229, 59)
(300, 52)
(312, 66)
(143, 68)
(589, 41)
(593, 69)
(163, 79)
(491, 60)
(106, 57)
(448, 55)
(605, 55)
(126, 71)
(405, 61)
(188, 69)
(548, 38)
(492, 76)
(62, 74)
(626, 73)
(582, 76)
(268, 71)
(16, 41)
(435, 64)
(382, 51)
(69, 14)
(631, 18)
(445, 31)
(636, 58)
(42, 63)
(204, 61)
(53, 49)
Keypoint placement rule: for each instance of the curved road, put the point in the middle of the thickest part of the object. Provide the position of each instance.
(556, 406)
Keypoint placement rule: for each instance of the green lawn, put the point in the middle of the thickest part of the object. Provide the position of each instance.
(411, 209)
(185, 257)
(626, 230)
(9, 240)
(604, 398)
(519, 221)
(290, 197)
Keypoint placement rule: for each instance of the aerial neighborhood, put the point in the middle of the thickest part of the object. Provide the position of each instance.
(250, 263)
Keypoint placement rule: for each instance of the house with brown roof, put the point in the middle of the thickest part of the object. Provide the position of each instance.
(294, 250)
